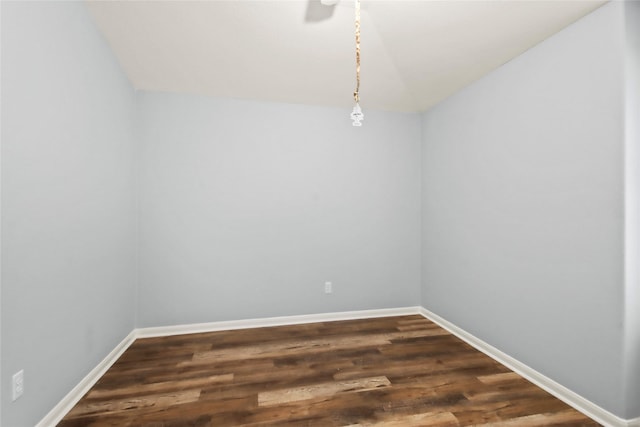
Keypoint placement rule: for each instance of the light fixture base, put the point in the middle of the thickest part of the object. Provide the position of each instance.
(357, 115)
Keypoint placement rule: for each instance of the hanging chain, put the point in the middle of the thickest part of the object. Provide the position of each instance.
(356, 93)
(356, 115)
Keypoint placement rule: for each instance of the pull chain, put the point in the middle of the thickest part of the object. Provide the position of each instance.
(356, 93)
(356, 115)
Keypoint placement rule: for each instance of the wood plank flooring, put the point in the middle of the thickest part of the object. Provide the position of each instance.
(391, 372)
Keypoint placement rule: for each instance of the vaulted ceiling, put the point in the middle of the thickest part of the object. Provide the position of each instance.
(414, 53)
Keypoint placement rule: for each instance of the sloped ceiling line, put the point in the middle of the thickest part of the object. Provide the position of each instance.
(414, 53)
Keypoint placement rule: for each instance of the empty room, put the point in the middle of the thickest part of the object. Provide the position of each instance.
(320, 213)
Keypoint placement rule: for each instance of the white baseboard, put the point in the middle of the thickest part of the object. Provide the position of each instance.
(571, 398)
(272, 321)
(64, 406)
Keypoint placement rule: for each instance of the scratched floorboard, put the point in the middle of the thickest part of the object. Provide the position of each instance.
(391, 372)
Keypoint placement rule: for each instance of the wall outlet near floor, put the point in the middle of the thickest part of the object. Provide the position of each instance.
(328, 287)
(17, 387)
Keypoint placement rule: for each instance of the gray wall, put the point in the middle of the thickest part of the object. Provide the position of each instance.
(632, 209)
(248, 208)
(523, 208)
(68, 212)
(1, 377)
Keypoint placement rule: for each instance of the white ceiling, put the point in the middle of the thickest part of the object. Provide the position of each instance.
(414, 53)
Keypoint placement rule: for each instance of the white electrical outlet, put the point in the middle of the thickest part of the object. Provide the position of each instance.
(17, 388)
(328, 287)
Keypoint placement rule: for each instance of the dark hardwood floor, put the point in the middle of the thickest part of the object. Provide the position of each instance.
(394, 371)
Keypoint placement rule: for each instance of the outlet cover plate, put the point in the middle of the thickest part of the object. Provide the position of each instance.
(328, 287)
(17, 388)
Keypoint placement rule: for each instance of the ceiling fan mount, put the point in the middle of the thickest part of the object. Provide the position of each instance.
(320, 10)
